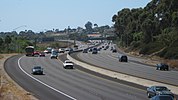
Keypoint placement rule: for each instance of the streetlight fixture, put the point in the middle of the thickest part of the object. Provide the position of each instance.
(19, 27)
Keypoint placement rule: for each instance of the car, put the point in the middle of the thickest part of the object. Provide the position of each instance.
(71, 50)
(85, 50)
(42, 54)
(68, 64)
(61, 50)
(46, 51)
(123, 58)
(36, 54)
(67, 49)
(111, 48)
(99, 48)
(54, 55)
(158, 90)
(162, 66)
(162, 97)
(114, 51)
(90, 50)
(94, 51)
(37, 70)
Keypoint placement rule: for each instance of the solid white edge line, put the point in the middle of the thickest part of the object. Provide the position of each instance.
(43, 82)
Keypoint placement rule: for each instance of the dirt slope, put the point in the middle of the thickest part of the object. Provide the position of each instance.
(9, 90)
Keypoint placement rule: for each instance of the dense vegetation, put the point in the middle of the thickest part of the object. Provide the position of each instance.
(13, 44)
(152, 29)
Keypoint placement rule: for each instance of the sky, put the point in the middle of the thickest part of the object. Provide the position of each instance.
(42, 15)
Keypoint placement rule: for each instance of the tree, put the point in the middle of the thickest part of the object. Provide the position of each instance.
(1, 44)
(88, 27)
(7, 41)
(1, 41)
(148, 29)
(175, 19)
(95, 25)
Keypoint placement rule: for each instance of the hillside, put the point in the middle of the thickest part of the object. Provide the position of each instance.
(149, 30)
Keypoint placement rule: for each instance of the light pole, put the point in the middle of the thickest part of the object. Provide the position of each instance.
(19, 27)
(17, 41)
(68, 36)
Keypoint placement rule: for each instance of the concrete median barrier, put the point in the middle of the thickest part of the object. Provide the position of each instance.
(120, 76)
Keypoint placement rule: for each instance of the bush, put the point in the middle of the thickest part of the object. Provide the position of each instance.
(151, 48)
(135, 44)
(170, 52)
(162, 53)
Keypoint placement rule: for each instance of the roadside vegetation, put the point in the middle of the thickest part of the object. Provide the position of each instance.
(8, 89)
(149, 30)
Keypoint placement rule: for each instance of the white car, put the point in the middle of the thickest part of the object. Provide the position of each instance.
(68, 64)
(61, 50)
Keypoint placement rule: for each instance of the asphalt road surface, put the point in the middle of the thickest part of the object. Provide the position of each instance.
(58, 83)
(107, 59)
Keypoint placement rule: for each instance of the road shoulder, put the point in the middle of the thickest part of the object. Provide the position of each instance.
(9, 90)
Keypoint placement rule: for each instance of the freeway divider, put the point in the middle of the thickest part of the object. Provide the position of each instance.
(124, 77)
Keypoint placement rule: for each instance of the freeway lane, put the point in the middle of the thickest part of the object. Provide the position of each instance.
(109, 60)
(32, 86)
(74, 83)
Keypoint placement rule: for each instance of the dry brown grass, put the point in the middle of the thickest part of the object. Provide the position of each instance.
(9, 90)
(155, 60)
(172, 63)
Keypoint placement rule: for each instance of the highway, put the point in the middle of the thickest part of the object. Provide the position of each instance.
(108, 60)
(58, 83)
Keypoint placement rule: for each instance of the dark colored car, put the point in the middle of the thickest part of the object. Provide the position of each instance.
(94, 51)
(158, 90)
(85, 50)
(99, 49)
(70, 51)
(114, 51)
(112, 48)
(162, 97)
(37, 70)
(162, 66)
(123, 58)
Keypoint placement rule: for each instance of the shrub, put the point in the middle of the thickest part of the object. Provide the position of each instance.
(172, 53)
(135, 44)
(151, 48)
(162, 53)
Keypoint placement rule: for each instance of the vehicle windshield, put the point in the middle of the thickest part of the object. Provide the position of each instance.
(37, 67)
(68, 61)
(54, 53)
(161, 88)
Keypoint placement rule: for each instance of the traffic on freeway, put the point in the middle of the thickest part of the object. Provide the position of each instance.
(74, 83)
